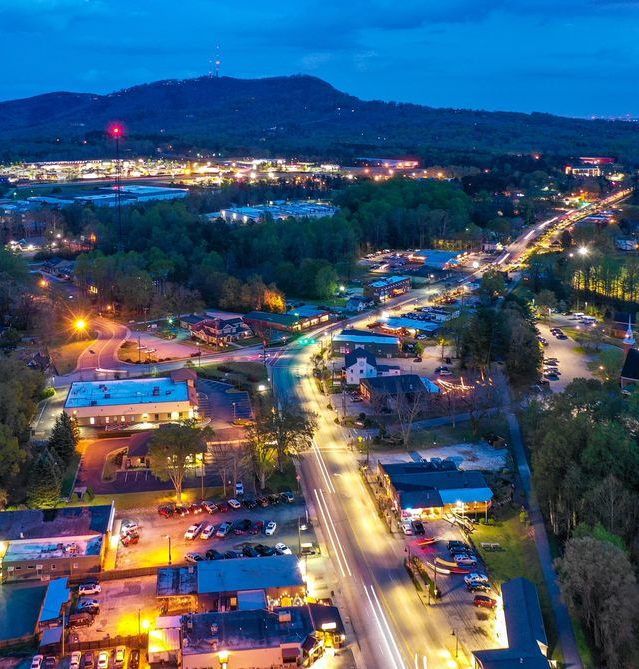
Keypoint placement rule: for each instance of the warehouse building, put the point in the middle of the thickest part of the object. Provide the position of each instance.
(51, 543)
(128, 401)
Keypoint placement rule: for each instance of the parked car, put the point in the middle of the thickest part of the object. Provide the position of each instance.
(120, 656)
(88, 660)
(417, 359)
(258, 526)
(81, 620)
(418, 527)
(223, 529)
(274, 498)
(242, 526)
(475, 577)
(270, 528)
(37, 661)
(210, 507)
(231, 555)
(74, 662)
(208, 531)
(223, 507)
(234, 504)
(485, 601)
(181, 510)
(88, 606)
(263, 501)
(194, 558)
(264, 551)
(134, 659)
(103, 659)
(407, 527)
(249, 504)
(193, 531)
(283, 549)
(130, 539)
(287, 497)
(478, 586)
(456, 545)
(166, 510)
(465, 560)
(239, 488)
(212, 554)
(129, 526)
(89, 588)
(50, 662)
(249, 551)
(196, 508)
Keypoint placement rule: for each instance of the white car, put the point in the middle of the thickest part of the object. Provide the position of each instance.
(234, 504)
(283, 549)
(207, 532)
(475, 577)
(75, 659)
(36, 663)
(270, 528)
(465, 560)
(192, 532)
(129, 526)
(407, 527)
(89, 588)
(120, 654)
(194, 558)
(103, 659)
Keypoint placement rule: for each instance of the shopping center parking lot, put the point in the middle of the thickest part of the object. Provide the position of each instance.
(153, 546)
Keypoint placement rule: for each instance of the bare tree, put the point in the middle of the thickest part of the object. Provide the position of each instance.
(409, 405)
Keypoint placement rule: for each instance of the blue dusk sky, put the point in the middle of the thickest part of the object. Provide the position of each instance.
(571, 57)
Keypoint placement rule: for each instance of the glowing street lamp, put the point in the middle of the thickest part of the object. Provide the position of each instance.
(80, 324)
(583, 251)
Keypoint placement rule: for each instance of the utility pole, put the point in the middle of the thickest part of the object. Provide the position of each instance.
(116, 132)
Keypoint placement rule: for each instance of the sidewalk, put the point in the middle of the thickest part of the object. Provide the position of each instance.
(565, 633)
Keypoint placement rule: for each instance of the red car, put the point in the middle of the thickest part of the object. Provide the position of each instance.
(130, 539)
(223, 507)
(486, 602)
(257, 528)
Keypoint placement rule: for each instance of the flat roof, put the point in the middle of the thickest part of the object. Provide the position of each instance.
(22, 550)
(126, 391)
(411, 324)
(367, 339)
(388, 281)
(58, 594)
(19, 608)
(267, 316)
(277, 571)
(72, 522)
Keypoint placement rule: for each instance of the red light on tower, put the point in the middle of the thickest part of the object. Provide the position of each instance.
(116, 130)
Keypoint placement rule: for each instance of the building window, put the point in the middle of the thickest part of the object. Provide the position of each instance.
(92, 420)
(122, 419)
(106, 420)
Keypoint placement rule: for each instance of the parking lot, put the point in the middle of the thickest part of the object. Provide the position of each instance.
(127, 607)
(571, 363)
(155, 530)
(475, 626)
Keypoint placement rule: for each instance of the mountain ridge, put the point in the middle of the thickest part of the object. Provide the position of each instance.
(294, 114)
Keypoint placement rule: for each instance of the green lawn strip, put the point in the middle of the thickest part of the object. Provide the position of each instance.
(139, 500)
(518, 558)
(583, 644)
(247, 374)
(65, 356)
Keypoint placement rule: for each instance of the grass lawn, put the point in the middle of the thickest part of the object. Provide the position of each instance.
(519, 558)
(284, 480)
(69, 476)
(241, 373)
(137, 500)
(65, 356)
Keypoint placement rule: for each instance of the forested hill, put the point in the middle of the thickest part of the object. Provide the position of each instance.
(294, 115)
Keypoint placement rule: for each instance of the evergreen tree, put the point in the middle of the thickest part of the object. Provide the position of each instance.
(45, 481)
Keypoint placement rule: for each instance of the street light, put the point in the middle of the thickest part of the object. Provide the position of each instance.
(583, 251)
(117, 131)
(168, 536)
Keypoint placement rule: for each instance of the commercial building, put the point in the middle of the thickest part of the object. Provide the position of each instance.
(108, 196)
(525, 631)
(296, 320)
(128, 401)
(583, 170)
(382, 346)
(50, 543)
(261, 639)
(276, 210)
(222, 585)
(383, 388)
(403, 325)
(429, 490)
(391, 286)
(437, 258)
(221, 331)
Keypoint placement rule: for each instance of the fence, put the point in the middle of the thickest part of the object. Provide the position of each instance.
(113, 574)
(24, 640)
(131, 641)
